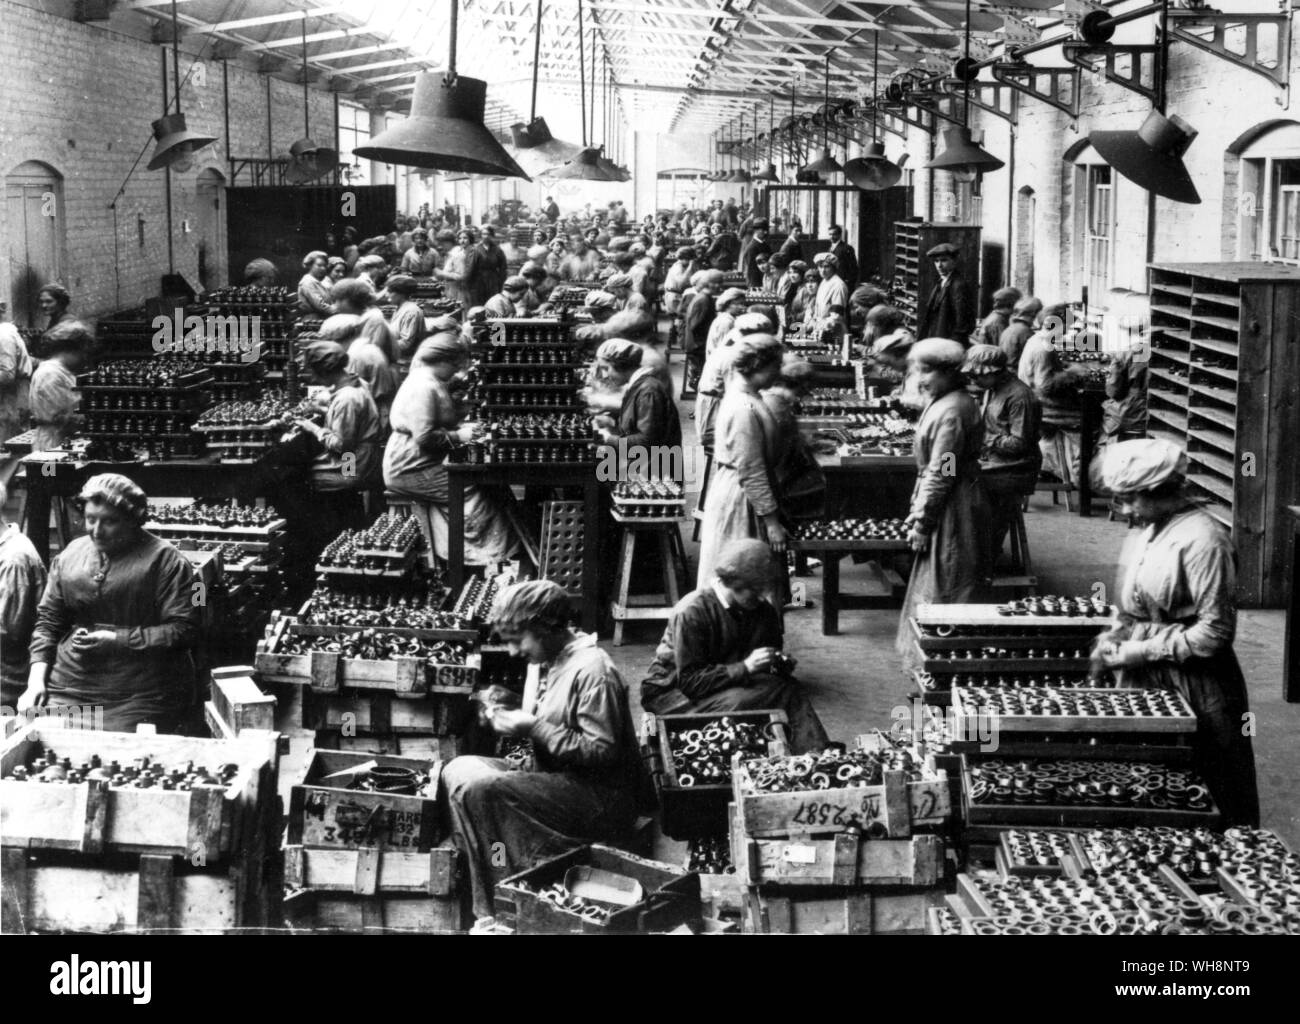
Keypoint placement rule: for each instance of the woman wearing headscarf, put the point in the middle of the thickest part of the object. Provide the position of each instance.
(408, 325)
(1178, 616)
(742, 502)
(314, 291)
(950, 512)
(583, 777)
(647, 417)
(453, 269)
(365, 361)
(721, 650)
(54, 396)
(697, 321)
(805, 298)
(350, 437)
(731, 304)
(338, 270)
(677, 279)
(119, 620)
(426, 425)
(717, 370)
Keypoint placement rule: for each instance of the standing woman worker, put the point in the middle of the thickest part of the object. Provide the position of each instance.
(742, 501)
(582, 784)
(452, 271)
(950, 512)
(119, 618)
(1178, 616)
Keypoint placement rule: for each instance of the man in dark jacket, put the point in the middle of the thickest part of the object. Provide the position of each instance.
(696, 324)
(1024, 315)
(485, 268)
(756, 246)
(949, 310)
(721, 651)
(845, 257)
(998, 320)
(724, 249)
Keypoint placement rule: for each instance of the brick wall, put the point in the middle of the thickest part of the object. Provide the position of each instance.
(80, 99)
(1217, 98)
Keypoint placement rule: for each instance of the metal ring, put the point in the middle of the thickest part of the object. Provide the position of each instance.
(686, 780)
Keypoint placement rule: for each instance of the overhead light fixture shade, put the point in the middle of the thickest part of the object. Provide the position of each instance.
(1152, 156)
(872, 171)
(445, 131)
(586, 166)
(537, 151)
(824, 165)
(175, 141)
(768, 173)
(739, 176)
(961, 155)
(308, 161)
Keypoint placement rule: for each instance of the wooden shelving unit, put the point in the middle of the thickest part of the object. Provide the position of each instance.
(1225, 362)
(914, 275)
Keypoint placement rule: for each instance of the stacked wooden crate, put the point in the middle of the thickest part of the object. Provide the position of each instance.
(852, 860)
(367, 860)
(96, 857)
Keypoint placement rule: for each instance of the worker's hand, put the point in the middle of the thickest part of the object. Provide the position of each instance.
(1128, 654)
(777, 537)
(32, 697)
(759, 660)
(606, 435)
(467, 432)
(917, 540)
(603, 422)
(88, 641)
(309, 427)
(512, 723)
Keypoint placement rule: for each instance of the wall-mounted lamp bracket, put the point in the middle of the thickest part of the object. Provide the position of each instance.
(1207, 29)
(1085, 55)
(990, 97)
(1060, 90)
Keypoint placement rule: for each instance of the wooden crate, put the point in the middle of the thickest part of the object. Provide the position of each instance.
(380, 714)
(840, 912)
(896, 805)
(672, 896)
(322, 814)
(967, 717)
(207, 825)
(407, 744)
(846, 859)
(371, 870)
(689, 811)
(156, 896)
(238, 703)
(312, 912)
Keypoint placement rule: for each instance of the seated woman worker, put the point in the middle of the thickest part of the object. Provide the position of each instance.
(647, 418)
(722, 651)
(586, 772)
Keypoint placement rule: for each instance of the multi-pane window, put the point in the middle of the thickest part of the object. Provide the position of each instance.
(1100, 213)
(1268, 197)
(354, 131)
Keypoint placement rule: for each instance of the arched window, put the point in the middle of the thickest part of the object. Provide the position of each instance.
(1268, 192)
(36, 231)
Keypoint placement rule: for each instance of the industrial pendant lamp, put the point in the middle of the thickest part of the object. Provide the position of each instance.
(308, 161)
(961, 155)
(825, 165)
(174, 144)
(535, 148)
(445, 131)
(768, 173)
(1152, 156)
(740, 176)
(586, 166)
(872, 171)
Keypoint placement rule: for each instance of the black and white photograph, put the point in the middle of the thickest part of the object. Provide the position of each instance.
(651, 468)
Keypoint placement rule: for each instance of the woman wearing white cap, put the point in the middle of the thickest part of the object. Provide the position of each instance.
(731, 304)
(1178, 616)
(950, 513)
(313, 289)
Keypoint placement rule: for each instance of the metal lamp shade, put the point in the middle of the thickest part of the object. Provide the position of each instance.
(585, 166)
(960, 154)
(1152, 156)
(618, 173)
(174, 141)
(768, 173)
(445, 131)
(308, 161)
(739, 176)
(537, 151)
(872, 171)
(823, 165)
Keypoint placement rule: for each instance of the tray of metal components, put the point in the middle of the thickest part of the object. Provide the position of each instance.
(598, 889)
(1070, 710)
(851, 535)
(692, 754)
(1051, 659)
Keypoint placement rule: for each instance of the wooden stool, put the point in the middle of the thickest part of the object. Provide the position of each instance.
(1066, 483)
(672, 555)
(1021, 578)
(698, 513)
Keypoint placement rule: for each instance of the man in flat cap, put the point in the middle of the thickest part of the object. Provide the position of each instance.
(949, 310)
(844, 256)
(989, 332)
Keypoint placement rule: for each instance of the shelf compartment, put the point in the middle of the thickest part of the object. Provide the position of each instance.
(1215, 416)
(1218, 298)
(1172, 289)
(1221, 323)
(1213, 485)
(1222, 373)
(1173, 355)
(1214, 463)
(1181, 312)
(1224, 348)
(1218, 394)
(1223, 442)
(1169, 378)
(1170, 419)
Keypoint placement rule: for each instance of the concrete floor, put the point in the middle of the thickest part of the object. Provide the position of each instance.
(856, 680)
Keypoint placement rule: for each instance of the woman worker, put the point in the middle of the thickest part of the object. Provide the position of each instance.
(314, 290)
(1178, 616)
(583, 782)
(453, 269)
(950, 512)
(721, 650)
(426, 425)
(119, 619)
(647, 417)
(742, 503)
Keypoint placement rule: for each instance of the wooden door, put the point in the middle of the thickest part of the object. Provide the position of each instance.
(34, 216)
